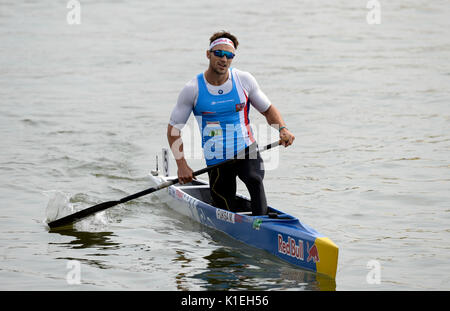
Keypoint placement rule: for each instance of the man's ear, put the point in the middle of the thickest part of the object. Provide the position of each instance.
(208, 54)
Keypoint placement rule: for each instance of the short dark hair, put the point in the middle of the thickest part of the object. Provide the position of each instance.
(224, 34)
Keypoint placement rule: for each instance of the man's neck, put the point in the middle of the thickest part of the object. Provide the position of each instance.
(215, 78)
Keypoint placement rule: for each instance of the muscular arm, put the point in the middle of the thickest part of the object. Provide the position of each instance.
(260, 101)
(274, 119)
(176, 145)
(180, 114)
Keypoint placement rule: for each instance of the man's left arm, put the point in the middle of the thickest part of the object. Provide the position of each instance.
(273, 117)
(260, 101)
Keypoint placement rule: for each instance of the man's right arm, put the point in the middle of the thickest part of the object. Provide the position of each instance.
(184, 172)
(178, 118)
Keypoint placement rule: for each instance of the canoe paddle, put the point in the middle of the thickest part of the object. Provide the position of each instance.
(69, 219)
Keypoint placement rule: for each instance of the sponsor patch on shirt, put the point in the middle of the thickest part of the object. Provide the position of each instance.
(239, 107)
(213, 129)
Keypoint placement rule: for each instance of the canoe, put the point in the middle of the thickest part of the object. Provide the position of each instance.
(278, 233)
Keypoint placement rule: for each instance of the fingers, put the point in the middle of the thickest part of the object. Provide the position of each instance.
(290, 141)
(185, 178)
(287, 138)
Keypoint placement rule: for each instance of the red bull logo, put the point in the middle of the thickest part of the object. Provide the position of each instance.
(290, 247)
(313, 253)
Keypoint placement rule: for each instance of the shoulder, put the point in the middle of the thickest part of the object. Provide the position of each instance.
(190, 89)
(191, 85)
(244, 75)
(246, 79)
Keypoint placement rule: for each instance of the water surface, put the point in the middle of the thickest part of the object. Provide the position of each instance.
(84, 110)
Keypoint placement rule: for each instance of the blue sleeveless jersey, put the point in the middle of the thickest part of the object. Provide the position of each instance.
(223, 121)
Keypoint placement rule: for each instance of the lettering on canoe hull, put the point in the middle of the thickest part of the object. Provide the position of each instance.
(290, 247)
(225, 216)
(181, 196)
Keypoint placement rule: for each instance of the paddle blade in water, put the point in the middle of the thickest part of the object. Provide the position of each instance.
(58, 205)
(74, 217)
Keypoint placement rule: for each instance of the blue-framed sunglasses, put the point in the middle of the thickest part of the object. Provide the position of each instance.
(221, 53)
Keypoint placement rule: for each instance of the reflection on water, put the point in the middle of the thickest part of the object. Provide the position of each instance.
(98, 241)
(229, 269)
(237, 266)
(84, 239)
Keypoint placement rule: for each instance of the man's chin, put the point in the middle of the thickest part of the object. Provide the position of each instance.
(221, 70)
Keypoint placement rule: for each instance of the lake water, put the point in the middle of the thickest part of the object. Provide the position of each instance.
(84, 110)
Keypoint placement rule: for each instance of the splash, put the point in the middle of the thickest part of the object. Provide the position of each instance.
(58, 205)
(61, 204)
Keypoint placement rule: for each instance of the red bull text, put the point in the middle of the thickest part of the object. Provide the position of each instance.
(290, 247)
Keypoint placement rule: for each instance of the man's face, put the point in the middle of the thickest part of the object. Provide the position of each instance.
(220, 65)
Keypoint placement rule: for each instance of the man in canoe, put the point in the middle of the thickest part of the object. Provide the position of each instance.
(220, 99)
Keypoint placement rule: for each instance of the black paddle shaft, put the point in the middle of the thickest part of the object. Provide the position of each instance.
(69, 219)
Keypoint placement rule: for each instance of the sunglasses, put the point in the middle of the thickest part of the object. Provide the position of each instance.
(221, 53)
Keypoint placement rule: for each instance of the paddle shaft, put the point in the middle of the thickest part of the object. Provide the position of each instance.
(105, 205)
